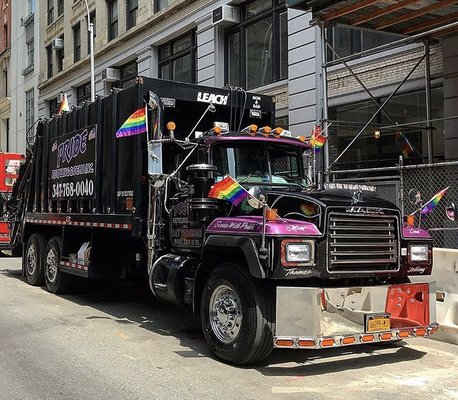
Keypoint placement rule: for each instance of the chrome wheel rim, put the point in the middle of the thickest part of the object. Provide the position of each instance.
(31, 260)
(225, 310)
(51, 265)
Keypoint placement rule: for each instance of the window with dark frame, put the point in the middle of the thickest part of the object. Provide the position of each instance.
(49, 61)
(29, 112)
(77, 42)
(5, 36)
(83, 93)
(92, 15)
(50, 12)
(53, 107)
(128, 75)
(131, 11)
(112, 19)
(177, 59)
(60, 7)
(60, 57)
(347, 41)
(30, 45)
(160, 4)
(257, 48)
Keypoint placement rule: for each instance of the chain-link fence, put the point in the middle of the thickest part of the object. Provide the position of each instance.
(428, 180)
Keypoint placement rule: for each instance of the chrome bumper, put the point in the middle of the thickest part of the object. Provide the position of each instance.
(330, 317)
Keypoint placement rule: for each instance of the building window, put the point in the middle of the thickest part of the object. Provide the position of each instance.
(347, 41)
(50, 11)
(77, 42)
(29, 115)
(160, 5)
(60, 57)
(257, 48)
(53, 107)
(112, 19)
(83, 93)
(31, 6)
(92, 15)
(60, 7)
(367, 151)
(49, 61)
(30, 45)
(128, 74)
(177, 59)
(131, 10)
(5, 36)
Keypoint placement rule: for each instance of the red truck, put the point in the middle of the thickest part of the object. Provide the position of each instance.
(9, 168)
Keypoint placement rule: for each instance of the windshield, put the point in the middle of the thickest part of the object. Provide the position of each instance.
(259, 163)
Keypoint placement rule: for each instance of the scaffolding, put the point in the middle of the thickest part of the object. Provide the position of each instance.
(416, 23)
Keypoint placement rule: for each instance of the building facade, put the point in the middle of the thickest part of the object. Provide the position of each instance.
(5, 93)
(25, 49)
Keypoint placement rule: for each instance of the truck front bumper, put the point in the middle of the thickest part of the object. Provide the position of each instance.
(311, 318)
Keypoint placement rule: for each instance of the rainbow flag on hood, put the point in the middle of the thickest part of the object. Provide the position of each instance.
(228, 189)
(134, 125)
(431, 204)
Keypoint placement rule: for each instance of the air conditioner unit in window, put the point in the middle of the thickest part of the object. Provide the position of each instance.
(111, 75)
(226, 15)
(60, 97)
(57, 44)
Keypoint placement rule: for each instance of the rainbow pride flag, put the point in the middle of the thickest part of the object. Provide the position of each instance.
(64, 104)
(228, 189)
(431, 204)
(317, 140)
(134, 125)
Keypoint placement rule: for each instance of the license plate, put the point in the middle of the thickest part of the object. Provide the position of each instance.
(378, 322)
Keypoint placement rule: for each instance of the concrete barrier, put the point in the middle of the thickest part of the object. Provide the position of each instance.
(445, 273)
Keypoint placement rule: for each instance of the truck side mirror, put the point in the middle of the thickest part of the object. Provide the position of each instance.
(450, 212)
(414, 196)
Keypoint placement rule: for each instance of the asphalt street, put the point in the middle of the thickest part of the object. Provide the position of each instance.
(107, 341)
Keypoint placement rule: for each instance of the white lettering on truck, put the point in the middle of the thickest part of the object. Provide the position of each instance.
(212, 98)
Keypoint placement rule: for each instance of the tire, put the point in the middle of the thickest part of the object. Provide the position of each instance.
(240, 331)
(56, 281)
(32, 261)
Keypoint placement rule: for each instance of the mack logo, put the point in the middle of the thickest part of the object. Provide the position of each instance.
(364, 210)
(212, 98)
(357, 197)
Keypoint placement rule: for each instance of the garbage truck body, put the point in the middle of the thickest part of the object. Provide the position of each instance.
(289, 266)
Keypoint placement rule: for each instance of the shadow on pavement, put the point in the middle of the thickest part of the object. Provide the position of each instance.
(125, 304)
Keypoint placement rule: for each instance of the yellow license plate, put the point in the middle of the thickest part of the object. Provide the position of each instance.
(378, 323)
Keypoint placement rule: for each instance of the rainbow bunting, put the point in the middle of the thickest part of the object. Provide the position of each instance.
(64, 104)
(431, 204)
(228, 189)
(317, 140)
(134, 125)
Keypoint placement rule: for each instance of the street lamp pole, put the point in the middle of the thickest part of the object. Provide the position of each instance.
(91, 44)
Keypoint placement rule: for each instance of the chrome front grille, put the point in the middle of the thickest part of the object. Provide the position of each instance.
(363, 243)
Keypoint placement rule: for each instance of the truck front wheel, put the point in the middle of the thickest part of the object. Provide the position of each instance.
(237, 315)
(56, 280)
(32, 260)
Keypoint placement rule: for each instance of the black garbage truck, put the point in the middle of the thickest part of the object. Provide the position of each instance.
(189, 189)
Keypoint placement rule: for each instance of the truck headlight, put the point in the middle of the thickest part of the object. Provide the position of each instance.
(419, 252)
(297, 252)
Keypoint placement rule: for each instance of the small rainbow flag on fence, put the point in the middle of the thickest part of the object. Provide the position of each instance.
(228, 189)
(431, 204)
(64, 104)
(134, 125)
(317, 140)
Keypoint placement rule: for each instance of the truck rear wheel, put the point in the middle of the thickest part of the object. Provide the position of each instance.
(32, 261)
(56, 280)
(237, 315)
